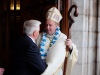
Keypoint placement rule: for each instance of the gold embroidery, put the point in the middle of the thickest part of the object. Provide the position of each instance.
(58, 69)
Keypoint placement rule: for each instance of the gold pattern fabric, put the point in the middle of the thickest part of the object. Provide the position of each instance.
(54, 15)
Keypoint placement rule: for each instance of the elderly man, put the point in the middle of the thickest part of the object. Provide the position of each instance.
(52, 44)
(26, 56)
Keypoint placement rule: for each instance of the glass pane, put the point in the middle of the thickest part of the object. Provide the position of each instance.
(11, 4)
(17, 4)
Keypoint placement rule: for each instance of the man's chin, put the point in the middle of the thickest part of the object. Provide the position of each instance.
(48, 33)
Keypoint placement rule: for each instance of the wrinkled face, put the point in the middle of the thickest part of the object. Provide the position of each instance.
(50, 26)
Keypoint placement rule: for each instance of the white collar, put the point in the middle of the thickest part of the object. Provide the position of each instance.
(50, 36)
(31, 38)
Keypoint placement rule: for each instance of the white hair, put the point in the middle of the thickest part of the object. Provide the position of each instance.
(30, 26)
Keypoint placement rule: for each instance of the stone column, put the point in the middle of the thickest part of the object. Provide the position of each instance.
(98, 43)
(92, 35)
(84, 35)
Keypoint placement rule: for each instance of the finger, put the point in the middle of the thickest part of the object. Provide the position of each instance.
(68, 39)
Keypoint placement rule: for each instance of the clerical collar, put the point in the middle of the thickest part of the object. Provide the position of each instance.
(50, 36)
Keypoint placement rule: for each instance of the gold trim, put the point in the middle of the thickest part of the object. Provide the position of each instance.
(58, 69)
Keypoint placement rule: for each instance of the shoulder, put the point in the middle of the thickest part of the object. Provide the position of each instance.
(39, 39)
(62, 35)
(24, 39)
(40, 35)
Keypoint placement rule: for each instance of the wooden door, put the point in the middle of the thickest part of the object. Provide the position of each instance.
(11, 21)
(9, 30)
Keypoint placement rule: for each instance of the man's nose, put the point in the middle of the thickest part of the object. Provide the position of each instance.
(48, 26)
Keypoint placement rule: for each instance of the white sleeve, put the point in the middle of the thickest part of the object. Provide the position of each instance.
(55, 60)
(72, 59)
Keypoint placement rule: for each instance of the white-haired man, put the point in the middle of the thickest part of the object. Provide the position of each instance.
(52, 44)
(26, 56)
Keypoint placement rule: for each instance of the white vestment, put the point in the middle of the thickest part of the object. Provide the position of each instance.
(56, 55)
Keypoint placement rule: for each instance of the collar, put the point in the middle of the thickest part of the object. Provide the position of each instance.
(50, 36)
(31, 38)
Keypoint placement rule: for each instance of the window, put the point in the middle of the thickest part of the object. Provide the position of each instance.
(14, 4)
(17, 4)
(11, 4)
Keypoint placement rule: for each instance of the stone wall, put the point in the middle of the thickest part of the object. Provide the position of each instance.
(98, 41)
(85, 34)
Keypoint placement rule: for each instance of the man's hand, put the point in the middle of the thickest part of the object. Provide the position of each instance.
(69, 43)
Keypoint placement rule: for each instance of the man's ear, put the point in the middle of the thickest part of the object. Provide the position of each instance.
(34, 33)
